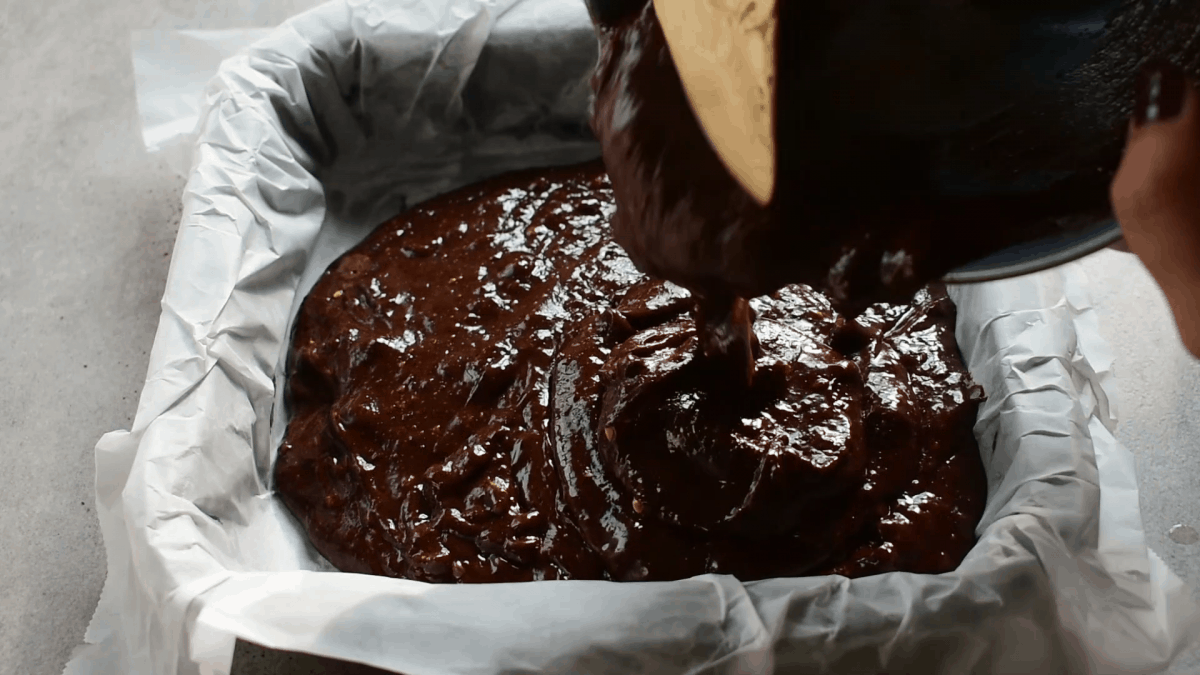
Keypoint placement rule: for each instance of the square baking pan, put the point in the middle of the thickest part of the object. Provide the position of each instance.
(349, 113)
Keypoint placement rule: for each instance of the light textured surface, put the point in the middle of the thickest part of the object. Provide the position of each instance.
(87, 223)
(1159, 409)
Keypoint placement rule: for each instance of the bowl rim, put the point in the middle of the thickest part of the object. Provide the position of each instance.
(1036, 256)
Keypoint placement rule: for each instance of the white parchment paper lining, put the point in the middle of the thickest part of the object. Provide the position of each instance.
(336, 120)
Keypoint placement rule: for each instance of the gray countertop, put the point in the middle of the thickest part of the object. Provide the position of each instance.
(87, 225)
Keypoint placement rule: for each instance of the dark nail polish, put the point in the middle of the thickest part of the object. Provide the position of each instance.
(612, 12)
(1161, 86)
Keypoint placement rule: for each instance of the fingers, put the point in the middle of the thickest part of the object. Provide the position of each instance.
(1156, 191)
(1155, 182)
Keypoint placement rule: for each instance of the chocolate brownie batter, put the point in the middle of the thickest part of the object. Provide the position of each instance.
(486, 389)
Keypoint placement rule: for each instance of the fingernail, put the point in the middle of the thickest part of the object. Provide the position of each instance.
(1161, 86)
(612, 12)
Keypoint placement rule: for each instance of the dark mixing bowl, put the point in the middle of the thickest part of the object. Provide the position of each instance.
(1037, 255)
(1017, 109)
(1008, 114)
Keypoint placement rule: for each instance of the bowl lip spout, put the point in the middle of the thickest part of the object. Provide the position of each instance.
(1037, 256)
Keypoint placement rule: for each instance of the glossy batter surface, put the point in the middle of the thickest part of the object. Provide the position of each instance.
(487, 390)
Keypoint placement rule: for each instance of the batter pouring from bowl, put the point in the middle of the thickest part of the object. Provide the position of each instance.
(865, 149)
